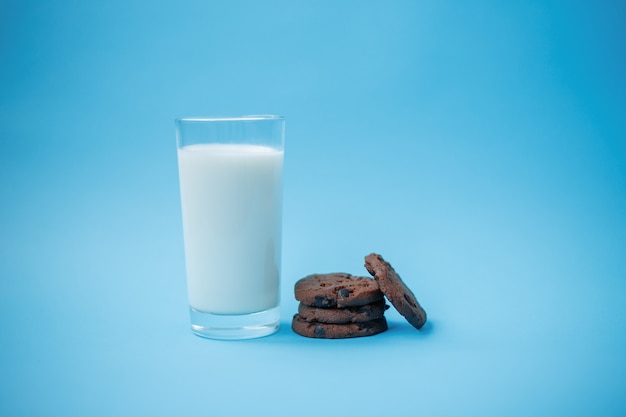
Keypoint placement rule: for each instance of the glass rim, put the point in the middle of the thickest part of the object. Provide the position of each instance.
(252, 117)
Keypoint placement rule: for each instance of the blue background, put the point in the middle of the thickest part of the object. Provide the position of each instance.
(480, 147)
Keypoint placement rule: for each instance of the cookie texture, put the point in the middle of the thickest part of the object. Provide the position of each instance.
(396, 291)
(337, 331)
(337, 290)
(356, 314)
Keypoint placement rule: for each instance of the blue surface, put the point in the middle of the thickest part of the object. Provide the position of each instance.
(481, 148)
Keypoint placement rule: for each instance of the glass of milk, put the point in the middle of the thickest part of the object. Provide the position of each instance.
(230, 172)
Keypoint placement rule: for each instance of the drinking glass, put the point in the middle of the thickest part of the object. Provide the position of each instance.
(230, 172)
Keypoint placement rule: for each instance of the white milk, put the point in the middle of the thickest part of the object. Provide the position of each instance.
(232, 210)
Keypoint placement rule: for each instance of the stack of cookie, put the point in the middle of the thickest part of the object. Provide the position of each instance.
(340, 305)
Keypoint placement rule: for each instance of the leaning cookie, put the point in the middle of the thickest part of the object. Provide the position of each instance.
(337, 290)
(357, 314)
(396, 291)
(337, 331)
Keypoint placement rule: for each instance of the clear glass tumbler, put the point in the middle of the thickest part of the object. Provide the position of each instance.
(230, 172)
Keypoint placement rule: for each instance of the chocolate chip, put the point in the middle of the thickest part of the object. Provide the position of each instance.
(409, 300)
(321, 301)
(319, 331)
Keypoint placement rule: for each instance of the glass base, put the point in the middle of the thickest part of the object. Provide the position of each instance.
(234, 327)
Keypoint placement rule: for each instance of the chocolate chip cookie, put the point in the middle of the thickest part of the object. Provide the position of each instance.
(337, 331)
(337, 290)
(396, 291)
(356, 314)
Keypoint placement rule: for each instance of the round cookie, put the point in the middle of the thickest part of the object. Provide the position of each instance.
(396, 291)
(336, 290)
(337, 331)
(357, 314)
